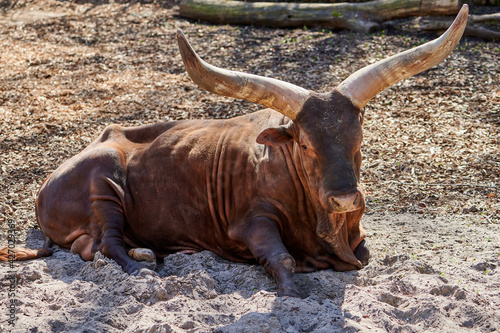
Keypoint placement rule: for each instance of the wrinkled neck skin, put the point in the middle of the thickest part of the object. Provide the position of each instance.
(338, 233)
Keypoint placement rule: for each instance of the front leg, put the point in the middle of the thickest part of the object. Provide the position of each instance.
(262, 237)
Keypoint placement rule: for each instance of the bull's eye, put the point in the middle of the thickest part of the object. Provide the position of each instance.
(303, 147)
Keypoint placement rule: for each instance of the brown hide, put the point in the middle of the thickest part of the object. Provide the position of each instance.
(185, 186)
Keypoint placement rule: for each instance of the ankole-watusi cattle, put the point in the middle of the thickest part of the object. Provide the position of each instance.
(280, 186)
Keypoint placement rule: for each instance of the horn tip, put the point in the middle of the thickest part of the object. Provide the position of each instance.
(458, 26)
(183, 43)
(464, 11)
(180, 34)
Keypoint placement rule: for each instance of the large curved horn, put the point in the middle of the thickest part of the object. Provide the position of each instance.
(367, 82)
(281, 96)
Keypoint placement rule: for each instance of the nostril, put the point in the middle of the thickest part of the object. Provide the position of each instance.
(356, 199)
(333, 202)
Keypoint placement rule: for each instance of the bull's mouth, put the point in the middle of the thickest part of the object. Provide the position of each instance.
(340, 235)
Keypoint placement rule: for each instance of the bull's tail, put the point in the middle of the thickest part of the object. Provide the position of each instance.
(22, 253)
(10, 253)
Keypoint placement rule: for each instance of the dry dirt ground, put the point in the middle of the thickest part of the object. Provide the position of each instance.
(431, 168)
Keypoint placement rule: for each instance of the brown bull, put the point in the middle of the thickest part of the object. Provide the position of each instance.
(281, 188)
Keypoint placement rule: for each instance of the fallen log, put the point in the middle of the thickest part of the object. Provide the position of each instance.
(474, 28)
(362, 17)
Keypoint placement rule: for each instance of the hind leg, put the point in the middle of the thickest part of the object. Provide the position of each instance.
(106, 203)
(85, 247)
(112, 245)
(81, 206)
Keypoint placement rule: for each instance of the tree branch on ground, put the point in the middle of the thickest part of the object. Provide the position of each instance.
(361, 16)
(474, 28)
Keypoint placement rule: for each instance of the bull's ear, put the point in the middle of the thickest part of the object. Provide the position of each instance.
(274, 136)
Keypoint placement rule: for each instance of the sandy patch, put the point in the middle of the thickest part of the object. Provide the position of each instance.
(426, 275)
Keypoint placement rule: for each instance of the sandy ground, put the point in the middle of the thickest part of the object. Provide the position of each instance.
(426, 275)
(431, 168)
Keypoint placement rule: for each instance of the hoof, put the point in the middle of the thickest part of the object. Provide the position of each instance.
(142, 254)
(289, 292)
(362, 252)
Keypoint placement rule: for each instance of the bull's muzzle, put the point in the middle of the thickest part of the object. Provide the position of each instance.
(343, 203)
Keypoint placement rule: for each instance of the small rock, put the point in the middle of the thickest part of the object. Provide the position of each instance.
(445, 290)
(100, 263)
(473, 209)
(484, 266)
(32, 275)
(187, 325)
(460, 294)
(389, 299)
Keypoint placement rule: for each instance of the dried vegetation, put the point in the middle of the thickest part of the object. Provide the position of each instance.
(431, 145)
